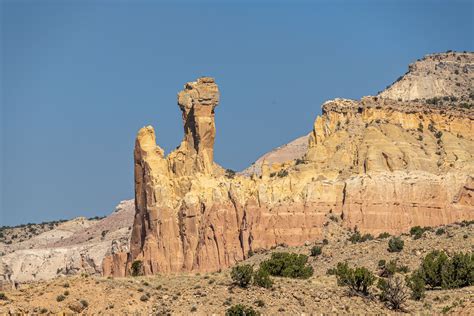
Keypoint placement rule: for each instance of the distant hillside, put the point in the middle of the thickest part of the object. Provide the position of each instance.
(437, 78)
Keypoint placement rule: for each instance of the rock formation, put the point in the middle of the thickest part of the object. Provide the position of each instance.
(71, 247)
(378, 164)
(448, 74)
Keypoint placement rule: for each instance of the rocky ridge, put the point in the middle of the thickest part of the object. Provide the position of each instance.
(445, 76)
(379, 164)
(70, 247)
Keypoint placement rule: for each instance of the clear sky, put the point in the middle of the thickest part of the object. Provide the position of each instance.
(79, 78)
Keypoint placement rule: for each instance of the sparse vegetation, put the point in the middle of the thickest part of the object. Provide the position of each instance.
(137, 268)
(316, 251)
(60, 298)
(3, 297)
(416, 283)
(262, 278)
(439, 270)
(229, 173)
(358, 279)
(241, 310)
(289, 265)
(393, 292)
(395, 244)
(356, 237)
(242, 275)
(383, 235)
(417, 231)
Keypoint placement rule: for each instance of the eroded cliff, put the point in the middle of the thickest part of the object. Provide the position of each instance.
(378, 164)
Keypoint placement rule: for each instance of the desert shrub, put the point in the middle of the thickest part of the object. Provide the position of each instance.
(66, 285)
(299, 161)
(3, 297)
(229, 173)
(417, 231)
(144, 298)
(458, 271)
(389, 269)
(383, 235)
(241, 310)
(282, 173)
(420, 128)
(289, 265)
(395, 244)
(440, 231)
(438, 270)
(430, 268)
(242, 275)
(358, 279)
(66, 293)
(262, 278)
(416, 283)
(381, 263)
(137, 268)
(393, 292)
(60, 298)
(325, 241)
(316, 251)
(356, 237)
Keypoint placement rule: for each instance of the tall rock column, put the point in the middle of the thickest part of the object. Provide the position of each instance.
(197, 102)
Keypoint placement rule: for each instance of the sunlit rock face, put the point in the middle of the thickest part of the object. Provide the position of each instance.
(378, 164)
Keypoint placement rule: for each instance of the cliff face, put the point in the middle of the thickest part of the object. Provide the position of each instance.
(378, 164)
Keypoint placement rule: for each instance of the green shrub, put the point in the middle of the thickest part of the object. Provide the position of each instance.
(395, 244)
(416, 283)
(389, 269)
(440, 231)
(438, 270)
(417, 231)
(383, 235)
(458, 271)
(241, 310)
(381, 263)
(242, 275)
(229, 173)
(356, 237)
(137, 268)
(316, 251)
(262, 278)
(358, 279)
(393, 292)
(3, 297)
(289, 265)
(430, 268)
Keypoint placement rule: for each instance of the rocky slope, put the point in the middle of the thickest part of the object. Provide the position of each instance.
(66, 248)
(379, 164)
(295, 149)
(444, 75)
(213, 293)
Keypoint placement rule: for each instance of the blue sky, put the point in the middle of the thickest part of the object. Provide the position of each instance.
(79, 78)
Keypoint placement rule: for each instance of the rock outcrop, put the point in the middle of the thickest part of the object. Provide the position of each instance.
(71, 247)
(378, 164)
(448, 75)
